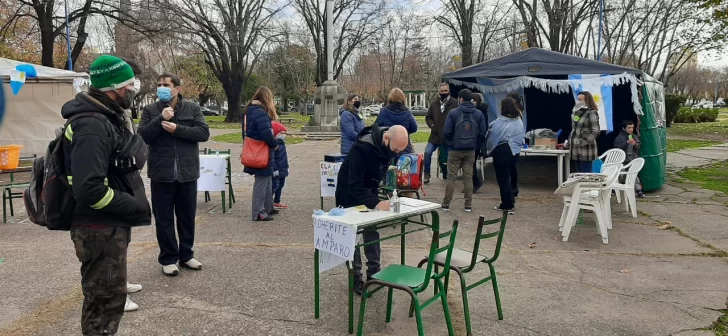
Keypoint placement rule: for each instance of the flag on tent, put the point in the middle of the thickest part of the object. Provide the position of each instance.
(602, 96)
(17, 79)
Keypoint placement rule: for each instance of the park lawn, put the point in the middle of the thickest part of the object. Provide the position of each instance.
(420, 137)
(713, 177)
(237, 138)
(717, 130)
(674, 145)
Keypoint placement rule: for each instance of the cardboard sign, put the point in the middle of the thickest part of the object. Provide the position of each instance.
(329, 174)
(212, 174)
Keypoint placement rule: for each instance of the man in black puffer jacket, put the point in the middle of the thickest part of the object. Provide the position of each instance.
(102, 161)
(173, 129)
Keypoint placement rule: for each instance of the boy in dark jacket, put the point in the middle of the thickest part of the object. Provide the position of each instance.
(280, 164)
(629, 142)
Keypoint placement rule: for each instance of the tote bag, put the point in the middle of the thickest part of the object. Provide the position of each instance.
(255, 152)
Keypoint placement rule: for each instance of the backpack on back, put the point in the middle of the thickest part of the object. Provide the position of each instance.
(466, 132)
(48, 200)
(409, 171)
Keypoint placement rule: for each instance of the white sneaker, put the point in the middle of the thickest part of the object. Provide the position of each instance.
(170, 270)
(130, 306)
(133, 288)
(192, 264)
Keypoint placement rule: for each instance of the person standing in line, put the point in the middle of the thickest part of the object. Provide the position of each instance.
(351, 122)
(173, 128)
(483, 108)
(358, 184)
(584, 132)
(436, 115)
(259, 114)
(280, 165)
(110, 199)
(504, 143)
(463, 127)
(397, 113)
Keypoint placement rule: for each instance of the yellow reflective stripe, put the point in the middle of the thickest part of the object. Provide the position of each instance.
(104, 201)
(70, 181)
(69, 133)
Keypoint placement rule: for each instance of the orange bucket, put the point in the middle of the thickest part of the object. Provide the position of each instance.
(9, 156)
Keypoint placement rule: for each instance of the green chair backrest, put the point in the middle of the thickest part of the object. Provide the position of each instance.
(479, 236)
(435, 250)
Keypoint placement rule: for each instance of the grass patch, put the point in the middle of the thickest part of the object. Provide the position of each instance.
(717, 130)
(674, 145)
(237, 138)
(712, 177)
(420, 119)
(420, 137)
(720, 327)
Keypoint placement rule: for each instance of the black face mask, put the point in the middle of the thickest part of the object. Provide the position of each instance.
(388, 151)
(444, 96)
(357, 104)
(127, 100)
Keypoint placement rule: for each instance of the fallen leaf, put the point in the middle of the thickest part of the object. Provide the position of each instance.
(625, 271)
(532, 245)
(665, 227)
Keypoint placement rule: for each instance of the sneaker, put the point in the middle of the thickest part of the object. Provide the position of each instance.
(192, 264)
(445, 208)
(274, 212)
(264, 219)
(130, 306)
(640, 194)
(358, 287)
(170, 270)
(279, 206)
(427, 178)
(510, 211)
(468, 209)
(133, 288)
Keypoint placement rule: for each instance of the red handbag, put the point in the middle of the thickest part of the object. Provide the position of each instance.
(256, 153)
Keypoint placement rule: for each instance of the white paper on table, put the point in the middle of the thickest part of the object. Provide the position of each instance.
(328, 261)
(212, 174)
(413, 202)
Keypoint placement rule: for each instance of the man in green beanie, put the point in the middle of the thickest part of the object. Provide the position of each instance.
(102, 159)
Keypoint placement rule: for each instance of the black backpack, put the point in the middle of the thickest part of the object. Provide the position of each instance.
(466, 132)
(48, 200)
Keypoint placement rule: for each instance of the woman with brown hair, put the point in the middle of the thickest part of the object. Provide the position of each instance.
(397, 113)
(258, 115)
(584, 132)
(504, 143)
(351, 122)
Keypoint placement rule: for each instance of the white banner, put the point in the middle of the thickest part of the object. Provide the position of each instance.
(329, 174)
(212, 174)
(333, 237)
(328, 261)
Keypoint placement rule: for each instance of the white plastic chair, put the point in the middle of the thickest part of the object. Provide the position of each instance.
(630, 172)
(591, 196)
(613, 157)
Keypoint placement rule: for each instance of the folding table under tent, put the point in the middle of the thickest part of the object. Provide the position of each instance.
(548, 81)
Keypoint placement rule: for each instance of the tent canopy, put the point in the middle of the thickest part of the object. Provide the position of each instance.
(538, 62)
(44, 72)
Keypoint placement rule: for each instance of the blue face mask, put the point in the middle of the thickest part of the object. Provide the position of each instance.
(164, 93)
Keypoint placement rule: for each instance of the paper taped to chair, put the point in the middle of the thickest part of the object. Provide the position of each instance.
(333, 237)
(212, 174)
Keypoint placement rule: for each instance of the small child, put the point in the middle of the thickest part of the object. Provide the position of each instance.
(280, 164)
(629, 142)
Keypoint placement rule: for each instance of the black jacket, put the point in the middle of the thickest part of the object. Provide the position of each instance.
(103, 196)
(435, 119)
(363, 169)
(174, 156)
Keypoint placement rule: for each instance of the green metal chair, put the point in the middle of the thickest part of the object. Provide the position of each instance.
(414, 280)
(9, 194)
(463, 262)
(229, 182)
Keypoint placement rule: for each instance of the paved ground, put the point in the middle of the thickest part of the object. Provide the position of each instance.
(257, 279)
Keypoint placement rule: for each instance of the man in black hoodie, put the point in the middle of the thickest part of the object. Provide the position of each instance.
(102, 159)
(358, 182)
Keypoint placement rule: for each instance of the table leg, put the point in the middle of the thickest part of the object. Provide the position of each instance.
(224, 210)
(322, 203)
(316, 297)
(351, 299)
(567, 162)
(403, 242)
(560, 164)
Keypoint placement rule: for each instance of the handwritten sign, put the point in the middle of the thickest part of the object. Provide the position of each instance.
(333, 237)
(329, 174)
(212, 174)
(328, 261)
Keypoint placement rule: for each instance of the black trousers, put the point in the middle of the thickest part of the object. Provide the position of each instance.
(170, 199)
(373, 253)
(506, 174)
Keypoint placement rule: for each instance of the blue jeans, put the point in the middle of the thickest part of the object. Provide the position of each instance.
(278, 184)
(583, 166)
(431, 148)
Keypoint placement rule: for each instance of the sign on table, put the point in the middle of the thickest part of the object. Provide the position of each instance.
(329, 174)
(212, 174)
(335, 242)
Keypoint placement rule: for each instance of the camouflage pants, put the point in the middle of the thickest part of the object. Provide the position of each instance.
(102, 253)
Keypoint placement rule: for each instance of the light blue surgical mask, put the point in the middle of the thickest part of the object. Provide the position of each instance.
(164, 93)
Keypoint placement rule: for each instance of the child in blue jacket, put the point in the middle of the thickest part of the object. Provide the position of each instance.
(280, 164)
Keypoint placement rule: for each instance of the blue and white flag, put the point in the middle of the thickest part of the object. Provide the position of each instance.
(602, 96)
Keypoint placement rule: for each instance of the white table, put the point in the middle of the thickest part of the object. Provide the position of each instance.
(373, 220)
(562, 159)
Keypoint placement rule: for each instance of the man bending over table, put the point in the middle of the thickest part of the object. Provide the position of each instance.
(358, 182)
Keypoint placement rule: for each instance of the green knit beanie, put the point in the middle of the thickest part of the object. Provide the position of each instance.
(109, 73)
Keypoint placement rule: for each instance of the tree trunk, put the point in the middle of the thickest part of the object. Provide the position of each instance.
(467, 50)
(46, 43)
(233, 93)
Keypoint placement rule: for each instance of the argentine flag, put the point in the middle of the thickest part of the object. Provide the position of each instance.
(602, 96)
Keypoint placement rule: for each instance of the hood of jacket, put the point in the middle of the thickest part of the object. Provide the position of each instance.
(374, 137)
(396, 108)
(467, 107)
(355, 112)
(85, 103)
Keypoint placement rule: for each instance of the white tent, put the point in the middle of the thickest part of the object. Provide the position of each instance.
(32, 115)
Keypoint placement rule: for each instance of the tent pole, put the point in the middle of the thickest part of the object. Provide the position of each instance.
(68, 39)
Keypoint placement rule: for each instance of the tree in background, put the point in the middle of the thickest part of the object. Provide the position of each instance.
(198, 80)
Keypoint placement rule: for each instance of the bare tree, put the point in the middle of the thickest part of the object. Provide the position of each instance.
(459, 18)
(554, 21)
(354, 22)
